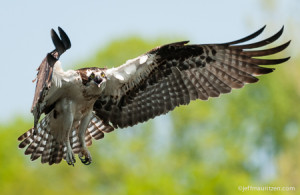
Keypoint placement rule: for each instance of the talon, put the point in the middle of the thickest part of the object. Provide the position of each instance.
(85, 157)
(70, 163)
(85, 160)
(70, 158)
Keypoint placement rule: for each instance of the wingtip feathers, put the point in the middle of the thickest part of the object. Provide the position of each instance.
(64, 37)
(62, 42)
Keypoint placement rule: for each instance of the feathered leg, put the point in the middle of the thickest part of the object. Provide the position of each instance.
(67, 109)
(84, 154)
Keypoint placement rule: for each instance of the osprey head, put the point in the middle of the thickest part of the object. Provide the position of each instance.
(93, 77)
(97, 77)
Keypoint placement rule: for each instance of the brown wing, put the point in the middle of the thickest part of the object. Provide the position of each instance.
(45, 71)
(175, 74)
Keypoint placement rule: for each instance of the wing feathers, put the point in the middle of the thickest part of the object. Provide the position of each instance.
(260, 43)
(217, 82)
(178, 73)
(226, 78)
(267, 61)
(195, 81)
(43, 144)
(266, 51)
(209, 88)
(45, 72)
(59, 45)
(247, 38)
(65, 39)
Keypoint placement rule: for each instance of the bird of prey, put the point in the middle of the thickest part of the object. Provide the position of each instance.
(82, 104)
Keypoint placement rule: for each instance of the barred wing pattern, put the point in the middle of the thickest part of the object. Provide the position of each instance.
(174, 74)
(44, 144)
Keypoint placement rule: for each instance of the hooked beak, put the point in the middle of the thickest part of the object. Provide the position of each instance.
(98, 80)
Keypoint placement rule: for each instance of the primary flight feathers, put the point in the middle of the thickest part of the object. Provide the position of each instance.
(86, 103)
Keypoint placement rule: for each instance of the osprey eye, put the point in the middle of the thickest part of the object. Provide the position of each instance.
(102, 74)
(92, 76)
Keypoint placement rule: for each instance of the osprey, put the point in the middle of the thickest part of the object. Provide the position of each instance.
(86, 103)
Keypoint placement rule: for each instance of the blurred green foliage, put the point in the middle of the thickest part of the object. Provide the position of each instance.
(248, 137)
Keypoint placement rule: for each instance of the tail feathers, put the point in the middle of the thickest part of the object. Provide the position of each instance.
(96, 130)
(43, 144)
(26, 138)
(56, 153)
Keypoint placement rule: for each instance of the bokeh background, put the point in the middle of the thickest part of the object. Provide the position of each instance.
(247, 138)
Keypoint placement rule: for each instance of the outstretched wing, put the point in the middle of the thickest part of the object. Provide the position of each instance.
(45, 71)
(174, 74)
